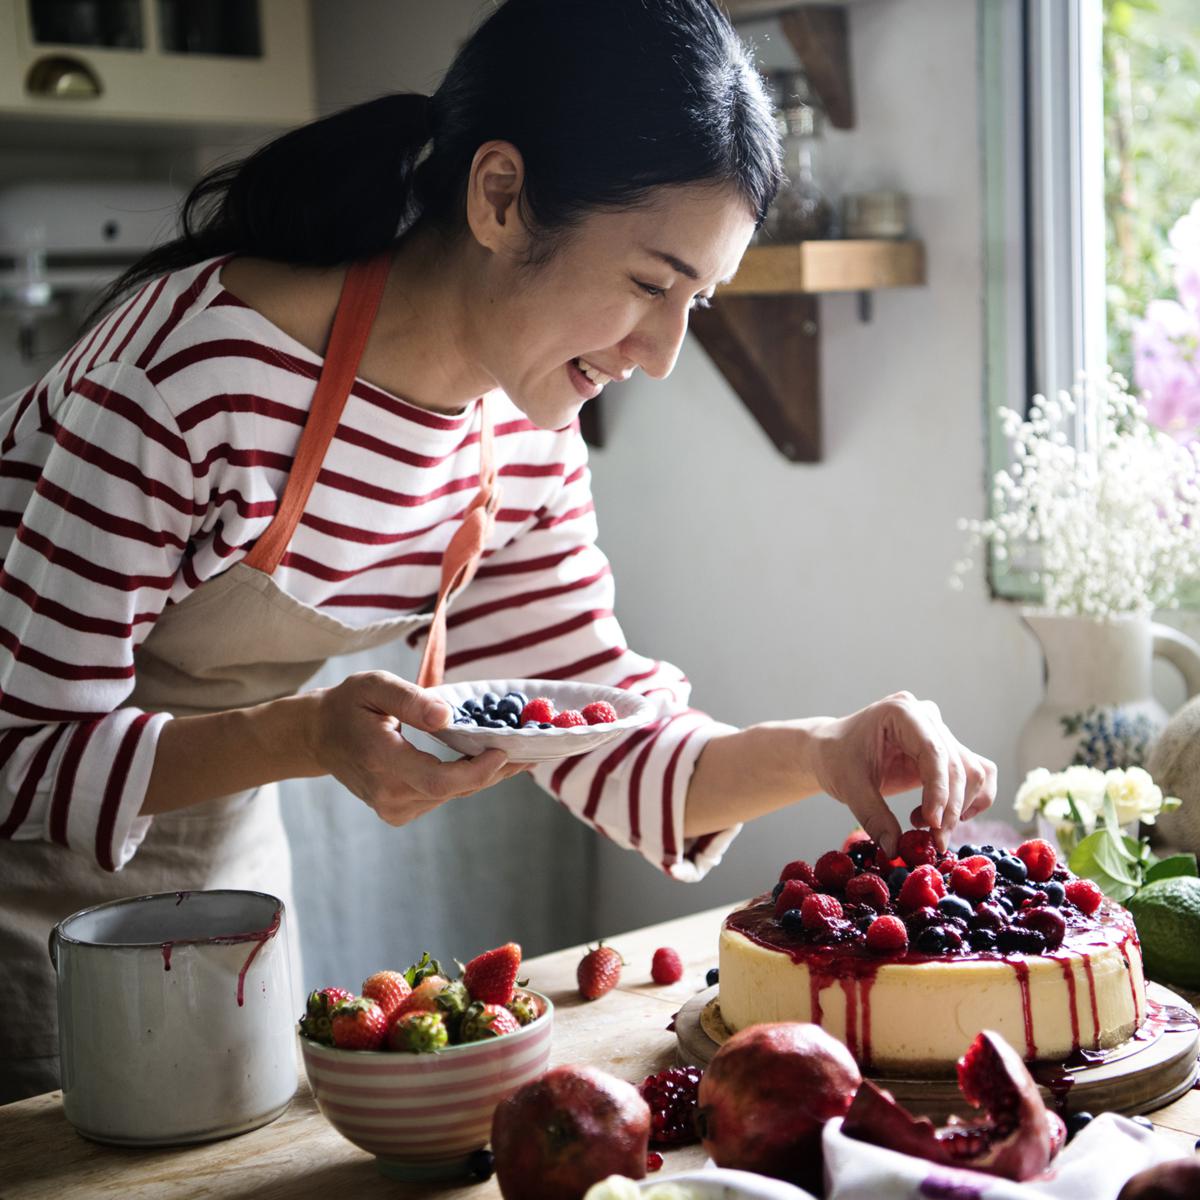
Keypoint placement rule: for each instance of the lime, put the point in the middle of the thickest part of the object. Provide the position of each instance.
(1167, 916)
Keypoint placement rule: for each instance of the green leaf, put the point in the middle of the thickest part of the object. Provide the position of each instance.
(422, 970)
(1096, 858)
(1169, 868)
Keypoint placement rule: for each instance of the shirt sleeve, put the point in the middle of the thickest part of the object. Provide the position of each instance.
(541, 607)
(97, 544)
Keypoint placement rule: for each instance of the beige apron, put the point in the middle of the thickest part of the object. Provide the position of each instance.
(237, 640)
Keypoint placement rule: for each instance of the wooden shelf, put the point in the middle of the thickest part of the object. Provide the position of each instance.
(829, 266)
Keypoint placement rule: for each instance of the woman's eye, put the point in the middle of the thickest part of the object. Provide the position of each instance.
(655, 292)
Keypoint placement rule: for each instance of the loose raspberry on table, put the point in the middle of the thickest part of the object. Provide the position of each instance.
(1039, 859)
(819, 911)
(1085, 895)
(834, 870)
(539, 711)
(568, 719)
(671, 1095)
(974, 878)
(869, 890)
(917, 848)
(666, 965)
(791, 895)
(923, 888)
(887, 935)
(599, 712)
(799, 869)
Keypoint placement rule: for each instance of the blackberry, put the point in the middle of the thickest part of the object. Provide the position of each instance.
(1012, 868)
(671, 1095)
(982, 939)
(935, 939)
(713, 976)
(1016, 939)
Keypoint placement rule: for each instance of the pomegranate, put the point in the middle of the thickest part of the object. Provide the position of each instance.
(1178, 1180)
(766, 1096)
(569, 1128)
(1016, 1137)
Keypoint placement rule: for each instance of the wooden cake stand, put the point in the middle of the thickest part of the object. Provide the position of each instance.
(1138, 1076)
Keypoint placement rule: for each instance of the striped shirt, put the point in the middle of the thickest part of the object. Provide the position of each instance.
(152, 456)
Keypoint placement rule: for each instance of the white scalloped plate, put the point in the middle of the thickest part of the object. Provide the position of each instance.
(541, 745)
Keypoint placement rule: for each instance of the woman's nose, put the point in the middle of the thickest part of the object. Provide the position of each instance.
(655, 343)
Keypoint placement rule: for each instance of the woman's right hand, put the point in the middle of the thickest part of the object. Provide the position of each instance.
(355, 737)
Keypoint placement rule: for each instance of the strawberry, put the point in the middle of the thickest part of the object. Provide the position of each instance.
(423, 997)
(491, 975)
(486, 1021)
(666, 966)
(389, 989)
(799, 869)
(358, 1025)
(917, 848)
(1039, 859)
(599, 712)
(834, 870)
(793, 894)
(315, 1024)
(869, 890)
(538, 711)
(1085, 895)
(598, 972)
(974, 877)
(524, 1007)
(887, 935)
(568, 719)
(418, 1033)
(922, 889)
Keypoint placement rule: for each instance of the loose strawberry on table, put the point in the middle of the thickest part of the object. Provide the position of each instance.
(598, 972)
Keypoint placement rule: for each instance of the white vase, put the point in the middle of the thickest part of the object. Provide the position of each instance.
(1099, 709)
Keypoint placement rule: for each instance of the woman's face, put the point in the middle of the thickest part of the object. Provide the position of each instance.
(617, 295)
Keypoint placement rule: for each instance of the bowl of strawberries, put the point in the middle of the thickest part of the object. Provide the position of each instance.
(411, 1067)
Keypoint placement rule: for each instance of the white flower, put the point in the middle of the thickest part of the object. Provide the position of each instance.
(1135, 795)
(1036, 789)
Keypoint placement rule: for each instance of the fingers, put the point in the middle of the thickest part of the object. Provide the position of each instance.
(876, 818)
(405, 701)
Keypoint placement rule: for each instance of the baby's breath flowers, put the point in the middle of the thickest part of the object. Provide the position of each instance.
(1112, 523)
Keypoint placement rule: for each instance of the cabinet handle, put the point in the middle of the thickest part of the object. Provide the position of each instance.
(59, 76)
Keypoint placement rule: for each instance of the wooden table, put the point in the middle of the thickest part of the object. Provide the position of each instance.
(300, 1155)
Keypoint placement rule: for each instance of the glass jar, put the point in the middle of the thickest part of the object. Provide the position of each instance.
(800, 212)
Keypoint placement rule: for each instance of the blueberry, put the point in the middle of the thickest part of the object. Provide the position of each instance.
(471, 706)
(714, 974)
(1012, 869)
(955, 906)
(1076, 1122)
(896, 878)
(509, 707)
(519, 697)
(792, 922)
(511, 719)
(491, 723)
(777, 889)
(490, 700)
(463, 718)
(982, 939)
(545, 725)
(1144, 1122)
(967, 850)
(987, 848)
(481, 1164)
(1055, 893)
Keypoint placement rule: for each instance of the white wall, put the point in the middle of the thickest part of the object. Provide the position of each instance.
(785, 589)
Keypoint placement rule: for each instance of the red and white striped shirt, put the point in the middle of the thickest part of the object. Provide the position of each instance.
(151, 457)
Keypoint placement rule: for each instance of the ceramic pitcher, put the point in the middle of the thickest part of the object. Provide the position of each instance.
(1099, 709)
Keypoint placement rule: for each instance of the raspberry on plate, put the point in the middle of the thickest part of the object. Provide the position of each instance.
(1039, 859)
(887, 935)
(974, 878)
(923, 888)
(834, 870)
(539, 711)
(818, 910)
(666, 966)
(1085, 895)
(599, 712)
(568, 719)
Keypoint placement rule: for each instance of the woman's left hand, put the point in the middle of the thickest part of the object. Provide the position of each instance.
(896, 744)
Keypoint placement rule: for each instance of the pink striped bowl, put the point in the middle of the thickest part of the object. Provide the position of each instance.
(422, 1115)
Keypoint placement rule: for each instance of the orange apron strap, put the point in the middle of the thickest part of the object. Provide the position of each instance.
(463, 553)
(362, 290)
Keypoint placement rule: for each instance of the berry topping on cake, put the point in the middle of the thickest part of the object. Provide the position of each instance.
(917, 848)
(887, 935)
(799, 869)
(1049, 922)
(792, 894)
(924, 887)
(819, 912)
(870, 890)
(834, 870)
(1085, 895)
(666, 966)
(1039, 859)
(599, 712)
(974, 878)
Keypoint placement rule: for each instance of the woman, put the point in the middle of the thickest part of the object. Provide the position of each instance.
(191, 527)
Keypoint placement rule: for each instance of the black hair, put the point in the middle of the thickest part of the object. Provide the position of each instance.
(607, 101)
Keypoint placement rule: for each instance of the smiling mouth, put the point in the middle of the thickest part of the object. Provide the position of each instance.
(591, 373)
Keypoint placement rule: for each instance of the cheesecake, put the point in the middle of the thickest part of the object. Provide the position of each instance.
(906, 960)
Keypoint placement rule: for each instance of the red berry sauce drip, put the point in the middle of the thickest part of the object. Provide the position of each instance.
(852, 1042)
(1091, 978)
(166, 953)
(1068, 970)
(1021, 969)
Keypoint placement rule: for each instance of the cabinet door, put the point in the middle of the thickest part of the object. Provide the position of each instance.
(199, 61)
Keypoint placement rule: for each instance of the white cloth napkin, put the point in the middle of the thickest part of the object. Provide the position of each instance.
(1101, 1157)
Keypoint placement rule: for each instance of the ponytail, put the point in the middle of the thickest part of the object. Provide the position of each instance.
(323, 194)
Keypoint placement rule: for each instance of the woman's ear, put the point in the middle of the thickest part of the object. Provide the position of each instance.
(493, 187)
